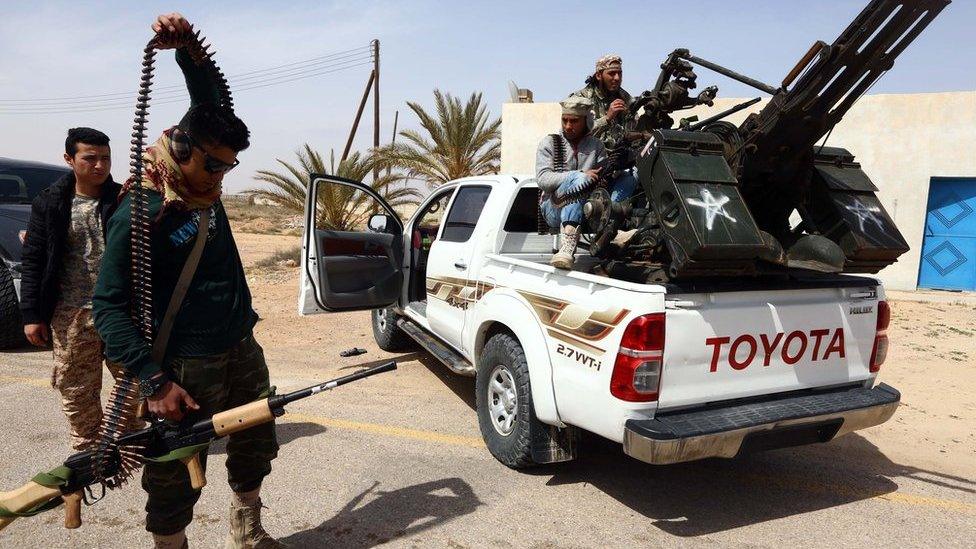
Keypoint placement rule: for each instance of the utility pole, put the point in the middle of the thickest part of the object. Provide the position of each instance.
(376, 100)
(374, 83)
(359, 114)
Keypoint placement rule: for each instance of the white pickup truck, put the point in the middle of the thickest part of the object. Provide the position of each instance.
(674, 372)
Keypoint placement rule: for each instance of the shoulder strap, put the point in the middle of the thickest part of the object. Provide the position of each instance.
(179, 292)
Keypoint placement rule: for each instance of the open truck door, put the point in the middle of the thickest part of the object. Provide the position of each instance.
(352, 248)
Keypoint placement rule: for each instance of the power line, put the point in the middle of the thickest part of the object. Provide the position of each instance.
(181, 90)
(328, 58)
(280, 79)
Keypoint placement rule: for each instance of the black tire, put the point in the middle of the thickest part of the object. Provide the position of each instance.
(11, 324)
(387, 333)
(501, 356)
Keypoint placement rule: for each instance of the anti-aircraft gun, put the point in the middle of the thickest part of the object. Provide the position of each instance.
(718, 198)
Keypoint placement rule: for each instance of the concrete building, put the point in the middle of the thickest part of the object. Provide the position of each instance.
(919, 149)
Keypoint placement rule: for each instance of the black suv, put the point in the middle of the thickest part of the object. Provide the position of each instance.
(20, 182)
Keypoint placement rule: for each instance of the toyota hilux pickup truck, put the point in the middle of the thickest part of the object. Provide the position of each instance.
(674, 371)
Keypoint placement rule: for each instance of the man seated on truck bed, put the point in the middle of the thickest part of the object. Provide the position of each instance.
(568, 162)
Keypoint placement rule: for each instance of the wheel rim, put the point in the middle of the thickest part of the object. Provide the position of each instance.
(502, 400)
(381, 320)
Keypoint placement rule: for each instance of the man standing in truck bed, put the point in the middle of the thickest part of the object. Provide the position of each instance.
(212, 361)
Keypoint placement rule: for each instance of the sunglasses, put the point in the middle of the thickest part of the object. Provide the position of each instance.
(211, 164)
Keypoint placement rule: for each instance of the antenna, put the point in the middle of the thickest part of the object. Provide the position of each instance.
(517, 94)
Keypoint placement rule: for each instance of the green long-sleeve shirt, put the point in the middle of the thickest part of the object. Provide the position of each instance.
(216, 312)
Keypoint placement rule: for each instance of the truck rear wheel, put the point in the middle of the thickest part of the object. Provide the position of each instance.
(504, 401)
(387, 333)
(11, 325)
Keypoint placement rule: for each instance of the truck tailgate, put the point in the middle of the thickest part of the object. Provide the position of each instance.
(727, 345)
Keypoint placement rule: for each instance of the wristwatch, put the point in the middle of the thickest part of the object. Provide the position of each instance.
(150, 386)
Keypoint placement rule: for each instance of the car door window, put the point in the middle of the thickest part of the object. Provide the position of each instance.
(429, 221)
(463, 217)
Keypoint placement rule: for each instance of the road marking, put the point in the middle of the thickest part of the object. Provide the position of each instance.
(476, 442)
(385, 430)
(912, 499)
(37, 382)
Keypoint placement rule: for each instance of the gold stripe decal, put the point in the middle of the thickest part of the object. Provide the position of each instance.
(575, 320)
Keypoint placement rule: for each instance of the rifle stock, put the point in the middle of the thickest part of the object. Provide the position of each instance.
(26, 498)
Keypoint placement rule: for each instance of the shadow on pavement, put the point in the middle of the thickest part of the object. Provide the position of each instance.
(390, 515)
(462, 386)
(377, 362)
(26, 348)
(704, 497)
(286, 432)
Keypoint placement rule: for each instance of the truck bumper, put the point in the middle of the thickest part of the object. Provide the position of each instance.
(728, 431)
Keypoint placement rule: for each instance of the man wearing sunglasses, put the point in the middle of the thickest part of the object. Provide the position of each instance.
(212, 361)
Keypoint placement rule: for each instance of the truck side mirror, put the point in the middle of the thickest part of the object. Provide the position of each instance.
(378, 223)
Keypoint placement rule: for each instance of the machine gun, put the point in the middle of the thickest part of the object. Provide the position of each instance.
(160, 441)
(720, 197)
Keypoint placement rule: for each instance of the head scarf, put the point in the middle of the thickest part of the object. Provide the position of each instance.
(579, 106)
(609, 61)
(163, 173)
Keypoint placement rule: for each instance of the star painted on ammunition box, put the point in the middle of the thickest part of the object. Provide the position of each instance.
(866, 213)
(713, 206)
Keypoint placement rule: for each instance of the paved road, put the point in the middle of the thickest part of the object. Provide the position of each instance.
(398, 459)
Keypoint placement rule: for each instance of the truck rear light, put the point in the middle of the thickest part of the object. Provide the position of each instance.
(636, 373)
(880, 350)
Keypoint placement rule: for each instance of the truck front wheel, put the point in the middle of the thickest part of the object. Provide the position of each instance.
(387, 333)
(504, 401)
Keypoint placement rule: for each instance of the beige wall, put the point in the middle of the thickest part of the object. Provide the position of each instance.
(901, 141)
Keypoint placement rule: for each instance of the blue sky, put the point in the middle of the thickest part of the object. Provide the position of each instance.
(69, 49)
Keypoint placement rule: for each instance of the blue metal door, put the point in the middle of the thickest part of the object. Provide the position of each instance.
(949, 246)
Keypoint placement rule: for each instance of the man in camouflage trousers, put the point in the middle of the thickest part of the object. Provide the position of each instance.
(62, 255)
(212, 362)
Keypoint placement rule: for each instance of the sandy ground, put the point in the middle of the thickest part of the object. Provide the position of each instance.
(398, 459)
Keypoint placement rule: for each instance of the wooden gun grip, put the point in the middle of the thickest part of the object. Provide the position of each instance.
(197, 478)
(26, 497)
(72, 510)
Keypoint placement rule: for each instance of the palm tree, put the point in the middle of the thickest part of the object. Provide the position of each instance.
(461, 141)
(339, 207)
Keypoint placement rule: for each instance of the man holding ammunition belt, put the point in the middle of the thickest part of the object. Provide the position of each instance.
(212, 361)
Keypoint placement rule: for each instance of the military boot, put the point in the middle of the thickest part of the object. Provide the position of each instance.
(565, 257)
(246, 531)
(171, 541)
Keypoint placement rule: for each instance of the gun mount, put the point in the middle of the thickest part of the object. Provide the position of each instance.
(718, 198)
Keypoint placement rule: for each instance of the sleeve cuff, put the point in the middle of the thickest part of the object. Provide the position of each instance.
(30, 316)
(144, 369)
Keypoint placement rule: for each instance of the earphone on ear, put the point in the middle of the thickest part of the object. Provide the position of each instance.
(180, 145)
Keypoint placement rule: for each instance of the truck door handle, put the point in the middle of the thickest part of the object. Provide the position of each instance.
(460, 265)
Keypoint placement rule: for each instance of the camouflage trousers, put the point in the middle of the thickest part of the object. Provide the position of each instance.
(216, 383)
(77, 375)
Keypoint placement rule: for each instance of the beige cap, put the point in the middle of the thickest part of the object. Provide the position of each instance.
(609, 61)
(577, 106)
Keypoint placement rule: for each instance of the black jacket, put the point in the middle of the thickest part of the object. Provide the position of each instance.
(47, 235)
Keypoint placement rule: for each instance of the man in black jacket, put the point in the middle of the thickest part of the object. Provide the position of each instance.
(61, 258)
